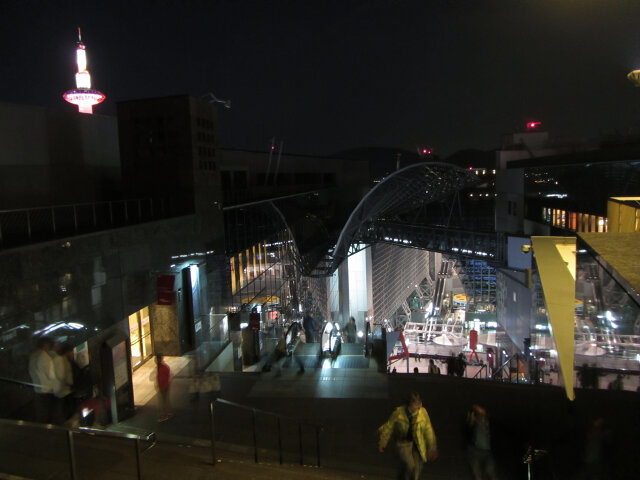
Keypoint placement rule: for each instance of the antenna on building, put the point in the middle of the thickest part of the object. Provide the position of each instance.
(275, 174)
(273, 147)
(213, 99)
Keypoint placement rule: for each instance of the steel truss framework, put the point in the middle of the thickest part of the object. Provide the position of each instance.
(459, 243)
(408, 189)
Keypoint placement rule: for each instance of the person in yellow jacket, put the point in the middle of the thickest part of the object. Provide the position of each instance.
(415, 438)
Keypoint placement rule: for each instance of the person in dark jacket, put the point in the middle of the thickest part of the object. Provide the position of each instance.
(479, 444)
(309, 326)
(350, 330)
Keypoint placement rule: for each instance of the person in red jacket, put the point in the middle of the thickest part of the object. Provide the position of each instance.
(163, 382)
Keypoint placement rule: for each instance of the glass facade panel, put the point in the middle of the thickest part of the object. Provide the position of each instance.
(140, 337)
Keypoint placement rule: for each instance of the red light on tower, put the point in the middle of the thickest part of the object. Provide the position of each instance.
(424, 151)
(83, 95)
(533, 125)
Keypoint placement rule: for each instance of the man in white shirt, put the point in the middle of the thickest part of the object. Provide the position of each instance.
(43, 376)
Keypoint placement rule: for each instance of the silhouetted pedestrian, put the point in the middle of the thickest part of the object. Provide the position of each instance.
(433, 368)
(490, 361)
(460, 365)
(596, 450)
(350, 330)
(451, 365)
(479, 444)
(309, 328)
(163, 384)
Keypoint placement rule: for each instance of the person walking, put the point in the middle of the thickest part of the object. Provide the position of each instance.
(43, 376)
(460, 365)
(309, 325)
(350, 330)
(163, 382)
(413, 433)
(433, 368)
(479, 444)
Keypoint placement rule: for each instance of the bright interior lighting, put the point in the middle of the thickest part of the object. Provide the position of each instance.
(193, 270)
(81, 59)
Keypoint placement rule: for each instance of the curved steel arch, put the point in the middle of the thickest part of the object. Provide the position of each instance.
(409, 187)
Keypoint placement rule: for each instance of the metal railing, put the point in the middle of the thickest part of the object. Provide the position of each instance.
(71, 432)
(30, 225)
(19, 382)
(254, 411)
(484, 368)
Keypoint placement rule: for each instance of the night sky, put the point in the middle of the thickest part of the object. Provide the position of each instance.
(327, 75)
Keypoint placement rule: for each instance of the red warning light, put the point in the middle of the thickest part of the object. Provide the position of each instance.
(273, 147)
(533, 125)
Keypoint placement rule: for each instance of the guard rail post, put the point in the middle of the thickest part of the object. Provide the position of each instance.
(255, 437)
(72, 455)
(300, 441)
(139, 468)
(279, 441)
(213, 435)
(318, 444)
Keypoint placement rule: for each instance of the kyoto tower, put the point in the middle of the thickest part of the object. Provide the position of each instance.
(83, 95)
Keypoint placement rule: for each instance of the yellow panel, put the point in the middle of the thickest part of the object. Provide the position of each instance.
(627, 219)
(556, 260)
(232, 267)
(134, 332)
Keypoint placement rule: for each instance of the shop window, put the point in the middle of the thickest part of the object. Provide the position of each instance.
(140, 337)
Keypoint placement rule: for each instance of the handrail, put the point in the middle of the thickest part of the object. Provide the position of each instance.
(318, 428)
(483, 367)
(150, 437)
(499, 370)
(19, 382)
(46, 223)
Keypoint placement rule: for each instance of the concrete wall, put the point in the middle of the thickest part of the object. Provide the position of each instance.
(51, 157)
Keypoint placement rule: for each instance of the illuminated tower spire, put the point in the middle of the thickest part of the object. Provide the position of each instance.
(83, 96)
